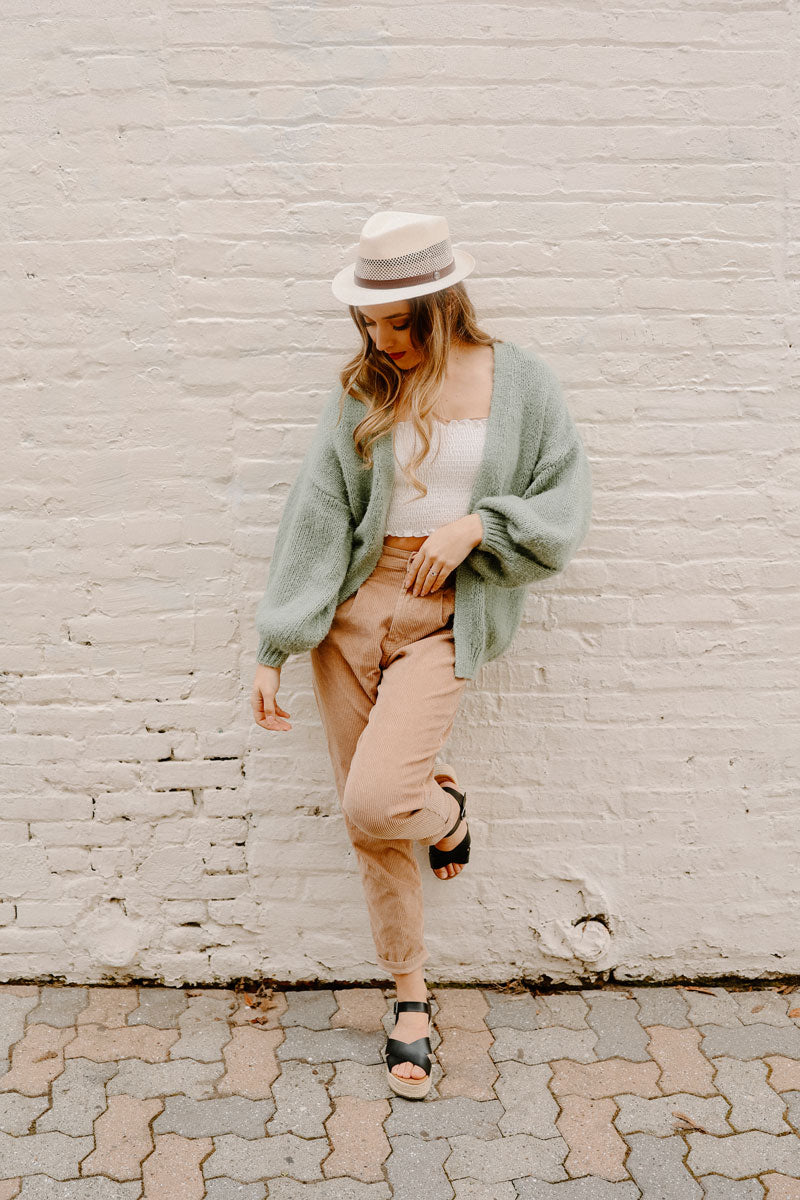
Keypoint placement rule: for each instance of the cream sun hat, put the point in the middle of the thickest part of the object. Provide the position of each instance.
(401, 254)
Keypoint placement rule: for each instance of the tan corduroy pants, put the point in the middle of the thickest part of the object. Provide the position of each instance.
(387, 694)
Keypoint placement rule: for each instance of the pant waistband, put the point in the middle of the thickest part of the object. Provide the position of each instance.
(395, 557)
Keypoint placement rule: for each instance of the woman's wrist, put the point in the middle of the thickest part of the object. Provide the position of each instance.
(476, 528)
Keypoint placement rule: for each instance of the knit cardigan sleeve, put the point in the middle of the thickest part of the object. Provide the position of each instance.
(534, 536)
(310, 557)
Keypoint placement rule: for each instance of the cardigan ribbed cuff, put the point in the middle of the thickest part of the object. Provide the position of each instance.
(495, 534)
(271, 656)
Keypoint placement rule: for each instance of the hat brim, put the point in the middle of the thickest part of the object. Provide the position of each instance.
(348, 291)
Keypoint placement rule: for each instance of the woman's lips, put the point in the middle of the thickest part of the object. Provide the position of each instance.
(400, 355)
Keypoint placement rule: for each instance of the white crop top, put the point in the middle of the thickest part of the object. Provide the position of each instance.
(448, 472)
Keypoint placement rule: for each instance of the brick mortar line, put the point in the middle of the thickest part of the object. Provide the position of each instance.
(237, 983)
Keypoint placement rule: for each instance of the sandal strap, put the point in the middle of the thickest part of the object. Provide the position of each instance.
(461, 797)
(417, 1052)
(412, 1006)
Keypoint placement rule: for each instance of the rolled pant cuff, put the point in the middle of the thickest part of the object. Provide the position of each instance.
(403, 968)
(450, 821)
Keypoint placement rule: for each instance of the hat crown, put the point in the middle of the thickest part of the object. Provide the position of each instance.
(392, 233)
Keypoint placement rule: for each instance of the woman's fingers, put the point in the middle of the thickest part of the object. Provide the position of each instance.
(267, 712)
(427, 580)
(418, 577)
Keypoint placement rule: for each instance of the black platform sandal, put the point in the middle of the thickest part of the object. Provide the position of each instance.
(417, 1052)
(460, 853)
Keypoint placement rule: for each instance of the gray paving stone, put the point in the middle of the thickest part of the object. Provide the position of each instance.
(586, 1188)
(544, 1045)
(445, 1118)
(79, 1096)
(754, 1105)
(331, 1045)
(94, 1187)
(13, 1011)
(611, 991)
(637, 1115)
(742, 1154)
(749, 1041)
(311, 1009)
(53, 1154)
(470, 1189)
(716, 1008)
(792, 1109)
(415, 1168)
(204, 1027)
(525, 1096)
(18, 1112)
(615, 1020)
(762, 1006)
(231, 1189)
(211, 1118)
(661, 1006)
(141, 1079)
(330, 1189)
(159, 1007)
(656, 1164)
(59, 1006)
(515, 1012)
(250, 1160)
(301, 1099)
(507, 1158)
(717, 1187)
(358, 1079)
(566, 1009)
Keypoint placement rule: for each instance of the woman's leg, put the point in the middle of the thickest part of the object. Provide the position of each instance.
(388, 868)
(379, 796)
(387, 694)
(391, 790)
(412, 986)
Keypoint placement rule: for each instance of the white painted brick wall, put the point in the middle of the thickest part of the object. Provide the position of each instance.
(181, 182)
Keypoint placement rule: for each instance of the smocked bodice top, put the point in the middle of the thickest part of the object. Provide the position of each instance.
(448, 472)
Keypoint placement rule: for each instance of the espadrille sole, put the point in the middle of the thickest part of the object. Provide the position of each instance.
(410, 1089)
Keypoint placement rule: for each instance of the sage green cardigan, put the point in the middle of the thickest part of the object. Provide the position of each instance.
(533, 493)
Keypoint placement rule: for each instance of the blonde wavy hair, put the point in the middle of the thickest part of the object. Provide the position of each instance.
(437, 320)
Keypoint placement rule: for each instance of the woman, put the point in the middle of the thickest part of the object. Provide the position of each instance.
(444, 476)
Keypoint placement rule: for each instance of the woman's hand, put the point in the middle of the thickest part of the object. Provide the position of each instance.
(441, 553)
(266, 710)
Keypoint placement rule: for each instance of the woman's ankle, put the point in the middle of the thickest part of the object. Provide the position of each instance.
(411, 986)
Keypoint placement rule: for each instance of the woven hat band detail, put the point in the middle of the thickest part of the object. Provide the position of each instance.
(419, 266)
(406, 281)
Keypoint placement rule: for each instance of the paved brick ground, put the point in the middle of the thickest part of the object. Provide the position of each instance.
(615, 1093)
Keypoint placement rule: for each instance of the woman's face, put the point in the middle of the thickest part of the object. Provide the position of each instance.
(388, 325)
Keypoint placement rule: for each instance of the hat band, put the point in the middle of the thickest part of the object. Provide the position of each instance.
(417, 266)
(406, 280)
